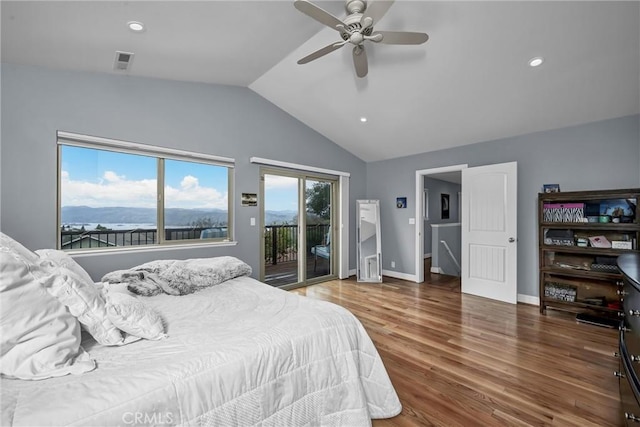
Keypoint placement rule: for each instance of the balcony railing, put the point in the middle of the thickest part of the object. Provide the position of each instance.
(110, 238)
(281, 241)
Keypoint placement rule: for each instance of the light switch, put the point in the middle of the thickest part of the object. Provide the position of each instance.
(253, 222)
(412, 221)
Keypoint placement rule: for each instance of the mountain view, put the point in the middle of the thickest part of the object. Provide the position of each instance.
(174, 217)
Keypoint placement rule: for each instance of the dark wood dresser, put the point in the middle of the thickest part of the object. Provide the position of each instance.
(629, 351)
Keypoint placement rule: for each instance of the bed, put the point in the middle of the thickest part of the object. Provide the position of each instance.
(237, 353)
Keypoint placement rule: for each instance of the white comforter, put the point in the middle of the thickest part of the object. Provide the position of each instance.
(240, 353)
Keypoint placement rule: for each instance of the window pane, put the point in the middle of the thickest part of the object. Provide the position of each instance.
(195, 201)
(107, 199)
(318, 207)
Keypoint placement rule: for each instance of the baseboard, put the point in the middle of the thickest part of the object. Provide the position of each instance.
(427, 256)
(398, 275)
(353, 272)
(436, 270)
(528, 299)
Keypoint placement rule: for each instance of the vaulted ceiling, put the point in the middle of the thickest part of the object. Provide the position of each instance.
(469, 83)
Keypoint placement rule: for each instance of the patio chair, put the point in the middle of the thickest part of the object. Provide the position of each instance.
(322, 251)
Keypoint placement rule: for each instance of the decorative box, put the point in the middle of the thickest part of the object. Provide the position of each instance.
(560, 292)
(563, 212)
(618, 244)
(558, 237)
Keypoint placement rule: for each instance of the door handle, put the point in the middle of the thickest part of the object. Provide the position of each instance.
(511, 240)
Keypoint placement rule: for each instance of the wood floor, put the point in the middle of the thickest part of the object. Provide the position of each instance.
(460, 360)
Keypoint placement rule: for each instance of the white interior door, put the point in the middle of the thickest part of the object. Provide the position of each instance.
(489, 225)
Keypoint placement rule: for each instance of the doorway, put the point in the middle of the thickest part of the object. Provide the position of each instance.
(298, 221)
(488, 229)
(423, 207)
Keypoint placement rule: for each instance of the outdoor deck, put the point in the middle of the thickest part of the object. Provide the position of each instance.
(285, 272)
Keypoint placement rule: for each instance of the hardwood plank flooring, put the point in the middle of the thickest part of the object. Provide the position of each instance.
(461, 360)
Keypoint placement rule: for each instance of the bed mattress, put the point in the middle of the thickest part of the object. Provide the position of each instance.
(239, 353)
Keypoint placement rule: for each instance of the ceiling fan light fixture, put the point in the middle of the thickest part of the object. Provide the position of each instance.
(357, 29)
(536, 62)
(136, 26)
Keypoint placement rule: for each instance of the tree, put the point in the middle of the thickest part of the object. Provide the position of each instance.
(202, 222)
(318, 200)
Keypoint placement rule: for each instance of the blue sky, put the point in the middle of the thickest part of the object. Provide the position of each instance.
(100, 178)
(103, 178)
(281, 193)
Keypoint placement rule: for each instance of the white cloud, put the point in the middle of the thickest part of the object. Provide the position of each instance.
(117, 190)
(273, 182)
(192, 195)
(111, 176)
(189, 182)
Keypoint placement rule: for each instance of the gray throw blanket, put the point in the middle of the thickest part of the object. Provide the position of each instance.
(178, 277)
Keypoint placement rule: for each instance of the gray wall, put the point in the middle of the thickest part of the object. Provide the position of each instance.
(437, 187)
(221, 120)
(595, 156)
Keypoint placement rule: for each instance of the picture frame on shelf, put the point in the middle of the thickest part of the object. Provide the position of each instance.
(551, 188)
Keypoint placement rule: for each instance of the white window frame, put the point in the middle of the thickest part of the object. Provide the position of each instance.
(159, 153)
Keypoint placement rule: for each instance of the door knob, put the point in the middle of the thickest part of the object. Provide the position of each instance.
(511, 240)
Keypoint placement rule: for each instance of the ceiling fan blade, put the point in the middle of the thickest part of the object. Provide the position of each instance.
(318, 14)
(321, 52)
(376, 10)
(400, 37)
(360, 61)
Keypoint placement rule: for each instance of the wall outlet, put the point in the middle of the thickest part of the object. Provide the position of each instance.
(393, 264)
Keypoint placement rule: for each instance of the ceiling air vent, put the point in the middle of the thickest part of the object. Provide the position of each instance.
(123, 60)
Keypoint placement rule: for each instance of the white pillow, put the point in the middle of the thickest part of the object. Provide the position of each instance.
(85, 302)
(39, 338)
(134, 317)
(80, 295)
(63, 259)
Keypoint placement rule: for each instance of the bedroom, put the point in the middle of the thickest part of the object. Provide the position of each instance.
(238, 122)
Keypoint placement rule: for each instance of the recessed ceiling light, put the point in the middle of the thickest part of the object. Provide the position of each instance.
(135, 26)
(363, 119)
(536, 62)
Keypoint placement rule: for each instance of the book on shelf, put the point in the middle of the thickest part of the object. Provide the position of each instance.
(599, 242)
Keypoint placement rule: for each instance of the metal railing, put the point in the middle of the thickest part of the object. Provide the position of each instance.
(74, 239)
(281, 241)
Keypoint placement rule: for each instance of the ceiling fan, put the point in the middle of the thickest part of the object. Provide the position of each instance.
(357, 28)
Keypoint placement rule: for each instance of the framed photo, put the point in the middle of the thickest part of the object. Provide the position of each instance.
(249, 199)
(401, 202)
(551, 188)
(444, 206)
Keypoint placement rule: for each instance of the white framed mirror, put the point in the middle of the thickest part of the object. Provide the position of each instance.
(368, 241)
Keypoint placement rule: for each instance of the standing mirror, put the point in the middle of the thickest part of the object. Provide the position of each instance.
(368, 241)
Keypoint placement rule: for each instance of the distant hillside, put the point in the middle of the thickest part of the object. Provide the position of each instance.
(280, 217)
(173, 216)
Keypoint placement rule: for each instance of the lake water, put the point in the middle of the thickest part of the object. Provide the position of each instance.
(92, 226)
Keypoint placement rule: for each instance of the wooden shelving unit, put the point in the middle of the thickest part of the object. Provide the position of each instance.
(573, 272)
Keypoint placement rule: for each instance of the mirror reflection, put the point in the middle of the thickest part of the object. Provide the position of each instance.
(368, 241)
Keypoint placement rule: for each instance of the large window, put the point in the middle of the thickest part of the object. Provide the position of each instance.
(117, 194)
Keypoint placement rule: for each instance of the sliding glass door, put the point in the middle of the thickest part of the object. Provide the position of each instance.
(298, 228)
